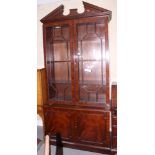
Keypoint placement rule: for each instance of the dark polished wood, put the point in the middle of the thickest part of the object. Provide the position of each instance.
(114, 95)
(76, 52)
(90, 11)
(114, 116)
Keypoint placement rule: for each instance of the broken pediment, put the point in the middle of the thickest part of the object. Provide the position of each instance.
(89, 11)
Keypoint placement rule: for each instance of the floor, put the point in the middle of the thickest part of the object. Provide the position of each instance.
(60, 150)
(65, 151)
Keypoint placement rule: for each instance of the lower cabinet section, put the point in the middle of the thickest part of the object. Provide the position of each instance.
(79, 128)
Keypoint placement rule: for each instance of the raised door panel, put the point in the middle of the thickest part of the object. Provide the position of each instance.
(59, 123)
(93, 127)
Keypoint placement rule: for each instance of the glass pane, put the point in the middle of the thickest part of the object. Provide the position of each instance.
(90, 72)
(92, 93)
(62, 71)
(60, 64)
(61, 44)
(91, 53)
(61, 51)
(60, 91)
(90, 49)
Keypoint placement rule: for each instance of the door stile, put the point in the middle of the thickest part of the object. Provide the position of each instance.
(72, 53)
(76, 64)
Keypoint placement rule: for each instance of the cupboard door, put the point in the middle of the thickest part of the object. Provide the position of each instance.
(59, 122)
(91, 60)
(58, 62)
(93, 128)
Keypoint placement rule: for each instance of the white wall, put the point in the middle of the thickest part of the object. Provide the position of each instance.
(43, 10)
